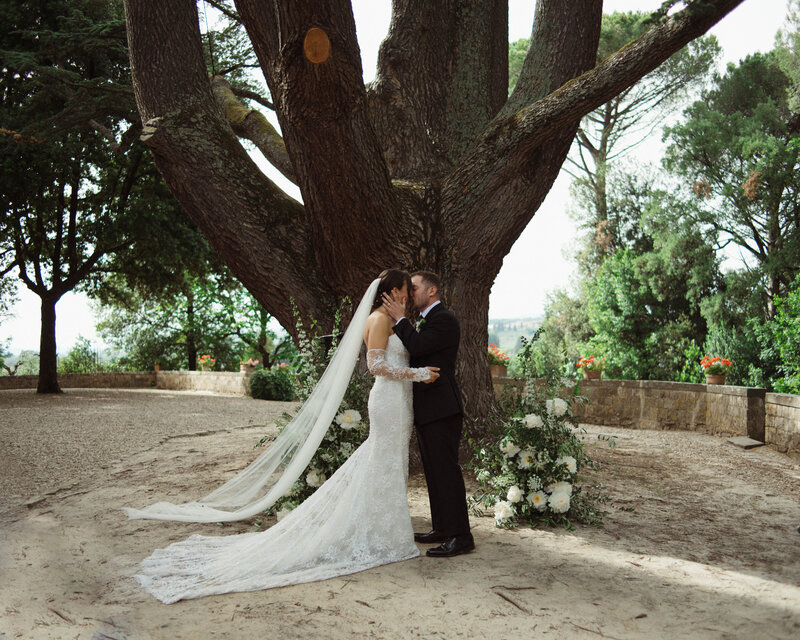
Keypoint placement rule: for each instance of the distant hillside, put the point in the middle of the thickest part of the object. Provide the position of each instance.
(505, 332)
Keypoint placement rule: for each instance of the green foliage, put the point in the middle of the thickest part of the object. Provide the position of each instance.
(739, 166)
(529, 467)
(788, 52)
(82, 358)
(780, 339)
(272, 384)
(210, 314)
(516, 56)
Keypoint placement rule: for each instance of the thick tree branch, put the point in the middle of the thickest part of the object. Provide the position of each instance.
(264, 231)
(322, 110)
(513, 142)
(252, 95)
(252, 125)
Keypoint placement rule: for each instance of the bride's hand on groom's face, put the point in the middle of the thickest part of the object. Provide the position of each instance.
(395, 305)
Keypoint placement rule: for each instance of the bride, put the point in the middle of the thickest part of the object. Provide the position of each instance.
(357, 519)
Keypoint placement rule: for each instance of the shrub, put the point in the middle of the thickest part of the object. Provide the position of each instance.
(272, 384)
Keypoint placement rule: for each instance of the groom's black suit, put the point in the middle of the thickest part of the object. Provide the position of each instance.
(438, 416)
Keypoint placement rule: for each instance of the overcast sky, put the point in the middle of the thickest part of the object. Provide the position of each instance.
(537, 262)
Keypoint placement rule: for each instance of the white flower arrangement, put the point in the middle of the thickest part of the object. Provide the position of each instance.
(558, 502)
(503, 511)
(508, 447)
(527, 470)
(560, 487)
(348, 419)
(538, 500)
(570, 462)
(556, 407)
(532, 421)
(315, 478)
(526, 459)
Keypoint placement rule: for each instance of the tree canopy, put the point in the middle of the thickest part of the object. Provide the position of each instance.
(433, 165)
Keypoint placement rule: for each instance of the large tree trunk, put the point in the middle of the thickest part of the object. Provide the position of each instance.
(48, 356)
(430, 167)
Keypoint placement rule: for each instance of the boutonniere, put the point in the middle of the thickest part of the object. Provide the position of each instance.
(420, 323)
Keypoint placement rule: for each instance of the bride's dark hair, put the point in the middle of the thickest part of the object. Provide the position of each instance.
(390, 279)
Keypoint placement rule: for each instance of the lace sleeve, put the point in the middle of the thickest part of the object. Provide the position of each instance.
(377, 365)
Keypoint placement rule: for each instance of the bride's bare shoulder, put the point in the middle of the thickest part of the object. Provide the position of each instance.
(379, 318)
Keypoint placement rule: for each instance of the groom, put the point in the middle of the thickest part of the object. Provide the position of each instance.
(437, 412)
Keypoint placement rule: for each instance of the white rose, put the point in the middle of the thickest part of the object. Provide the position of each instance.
(315, 478)
(508, 447)
(514, 494)
(532, 421)
(559, 502)
(570, 462)
(348, 419)
(560, 487)
(526, 459)
(503, 511)
(556, 407)
(538, 500)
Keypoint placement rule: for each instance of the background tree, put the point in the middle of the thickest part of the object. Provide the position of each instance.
(72, 177)
(739, 167)
(431, 166)
(788, 51)
(209, 314)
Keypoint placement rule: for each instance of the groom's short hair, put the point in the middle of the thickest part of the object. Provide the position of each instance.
(430, 279)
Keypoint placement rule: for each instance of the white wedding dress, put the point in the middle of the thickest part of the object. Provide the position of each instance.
(357, 519)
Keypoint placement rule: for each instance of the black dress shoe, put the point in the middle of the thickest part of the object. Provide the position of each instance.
(427, 538)
(453, 547)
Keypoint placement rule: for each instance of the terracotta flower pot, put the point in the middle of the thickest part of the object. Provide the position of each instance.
(715, 378)
(592, 375)
(246, 368)
(498, 370)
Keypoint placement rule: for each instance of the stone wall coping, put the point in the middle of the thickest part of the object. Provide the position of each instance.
(783, 399)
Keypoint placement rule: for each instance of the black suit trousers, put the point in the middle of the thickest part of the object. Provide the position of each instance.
(438, 446)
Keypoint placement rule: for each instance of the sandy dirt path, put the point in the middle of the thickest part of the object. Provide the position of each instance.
(699, 541)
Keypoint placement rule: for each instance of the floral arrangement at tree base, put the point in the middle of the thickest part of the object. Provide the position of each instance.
(591, 367)
(528, 470)
(715, 368)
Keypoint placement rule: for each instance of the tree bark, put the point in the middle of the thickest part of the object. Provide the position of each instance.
(48, 356)
(429, 167)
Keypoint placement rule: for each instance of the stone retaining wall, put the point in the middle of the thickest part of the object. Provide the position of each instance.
(226, 382)
(782, 424)
(721, 409)
(126, 380)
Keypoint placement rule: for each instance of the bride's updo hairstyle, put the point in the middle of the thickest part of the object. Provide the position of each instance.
(391, 279)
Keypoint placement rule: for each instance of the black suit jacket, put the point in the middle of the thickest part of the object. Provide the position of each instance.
(435, 345)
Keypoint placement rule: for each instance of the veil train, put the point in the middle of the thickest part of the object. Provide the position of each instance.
(271, 475)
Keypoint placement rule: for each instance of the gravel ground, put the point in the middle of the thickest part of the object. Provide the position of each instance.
(699, 540)
(53, 441)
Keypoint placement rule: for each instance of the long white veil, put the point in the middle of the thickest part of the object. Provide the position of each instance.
(268, 477)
